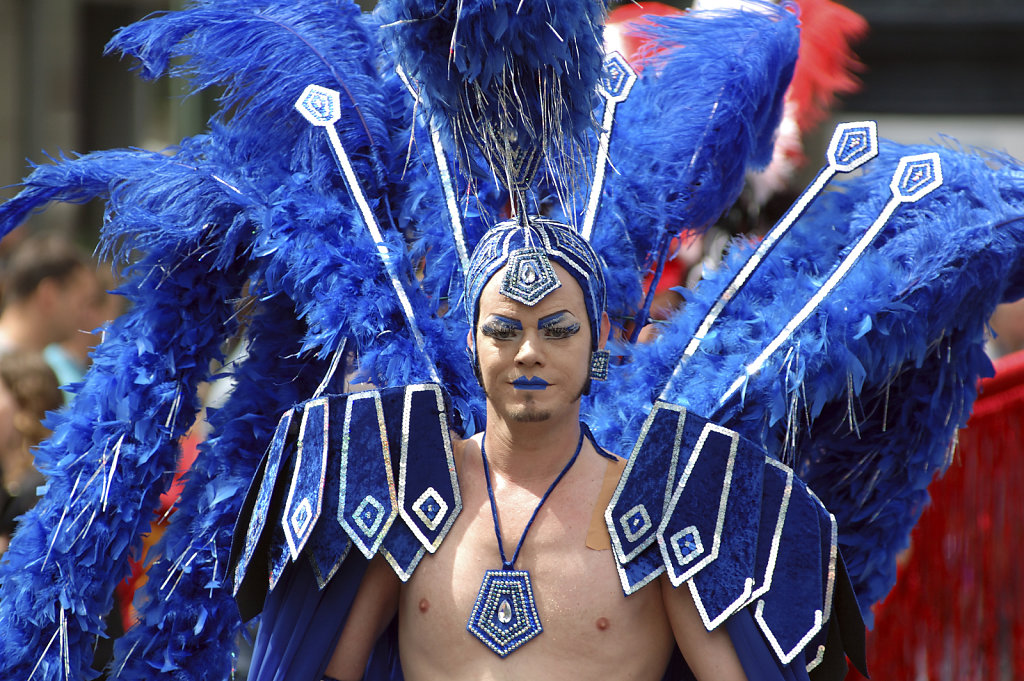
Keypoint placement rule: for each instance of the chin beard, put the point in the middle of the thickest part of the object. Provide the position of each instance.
(529, 415)
(524, 413)
(529, 412)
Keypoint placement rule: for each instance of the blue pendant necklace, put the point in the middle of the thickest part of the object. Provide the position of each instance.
(505, 614)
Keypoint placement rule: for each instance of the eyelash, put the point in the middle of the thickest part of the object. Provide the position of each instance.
(499, 331)
(558, 332)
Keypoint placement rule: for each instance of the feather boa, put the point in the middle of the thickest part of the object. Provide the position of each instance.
(109, 459)
(188, 621)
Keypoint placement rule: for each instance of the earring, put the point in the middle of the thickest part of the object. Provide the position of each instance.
(599, 360)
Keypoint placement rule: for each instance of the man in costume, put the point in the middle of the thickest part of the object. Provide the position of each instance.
(534, 488)
(847, 359)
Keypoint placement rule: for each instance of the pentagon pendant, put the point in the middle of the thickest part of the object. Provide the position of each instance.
(505, 614)
(528, 276)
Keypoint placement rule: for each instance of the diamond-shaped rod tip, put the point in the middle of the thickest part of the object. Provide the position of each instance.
(852, 145)
(617, 78)
(916, 176)
(319, 105)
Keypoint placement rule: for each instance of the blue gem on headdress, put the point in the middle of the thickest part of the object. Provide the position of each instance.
(528, 276)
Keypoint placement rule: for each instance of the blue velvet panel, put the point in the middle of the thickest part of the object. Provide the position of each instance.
(690, 532)
(829, 551)
(791, 612)
(775, 493)
(278, 554)
(428, 489)
(641, 570)
(368, 502)
(249, 563)
(638, 503)
(352, 457)
(328, 545)
(306, 494)
(402, 550)
(727, 583)
(738, 526)
(759, 662)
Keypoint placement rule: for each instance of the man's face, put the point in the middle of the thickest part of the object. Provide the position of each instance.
(534, 361)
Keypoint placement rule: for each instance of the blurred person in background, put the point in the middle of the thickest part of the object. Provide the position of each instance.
(28, 389)
(1007, 326)
(47, 288)
(69, 358)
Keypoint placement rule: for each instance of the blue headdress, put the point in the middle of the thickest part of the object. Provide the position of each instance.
(527, 249)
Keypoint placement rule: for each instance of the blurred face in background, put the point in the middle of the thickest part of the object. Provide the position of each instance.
(9, 436)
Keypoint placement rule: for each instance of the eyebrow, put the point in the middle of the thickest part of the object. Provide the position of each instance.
(554, 319)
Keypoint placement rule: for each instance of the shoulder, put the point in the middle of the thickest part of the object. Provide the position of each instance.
(462, 448)
(597, 534)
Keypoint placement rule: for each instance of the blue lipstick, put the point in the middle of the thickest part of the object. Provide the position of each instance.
(535, 383)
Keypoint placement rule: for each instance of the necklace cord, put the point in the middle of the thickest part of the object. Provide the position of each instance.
(507, 564)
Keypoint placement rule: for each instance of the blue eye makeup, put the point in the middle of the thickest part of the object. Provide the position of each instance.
(559, 325)
(500, 328)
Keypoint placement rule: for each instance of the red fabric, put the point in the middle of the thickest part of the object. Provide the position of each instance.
(955, 612)
(636, 10)
(826, 66)
(189, 451)
(633, 17)
(129, 585)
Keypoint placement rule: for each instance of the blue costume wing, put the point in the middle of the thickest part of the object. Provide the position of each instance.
(864, 328)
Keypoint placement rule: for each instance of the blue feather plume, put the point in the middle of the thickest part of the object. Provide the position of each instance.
(489, 71)
(703, 111)
(189, 622)
(262, 54)
(107, 462)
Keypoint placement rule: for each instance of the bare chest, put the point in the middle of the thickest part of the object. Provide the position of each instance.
(579, 600)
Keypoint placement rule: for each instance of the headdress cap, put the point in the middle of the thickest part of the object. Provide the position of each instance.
(528, 250)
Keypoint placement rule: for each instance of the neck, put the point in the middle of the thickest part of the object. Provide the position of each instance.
(530, 451)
